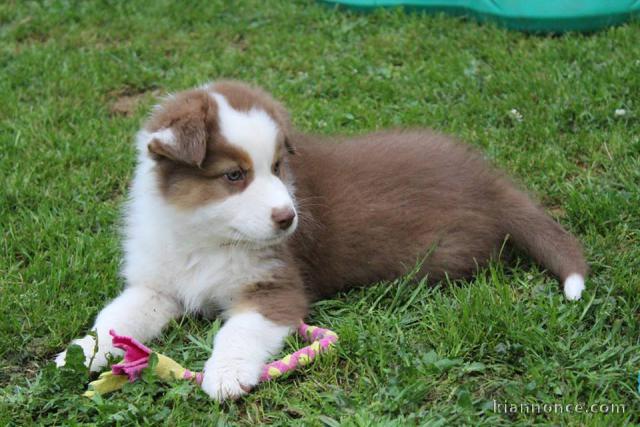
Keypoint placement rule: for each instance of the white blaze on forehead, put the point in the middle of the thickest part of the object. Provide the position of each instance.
(254, 131)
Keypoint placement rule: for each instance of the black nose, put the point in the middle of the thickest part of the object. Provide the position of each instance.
(283, 217)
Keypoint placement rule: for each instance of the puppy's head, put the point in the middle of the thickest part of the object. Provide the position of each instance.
(220, 156)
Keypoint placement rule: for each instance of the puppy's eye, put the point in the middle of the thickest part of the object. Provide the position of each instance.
(276, 167)
(235, 176)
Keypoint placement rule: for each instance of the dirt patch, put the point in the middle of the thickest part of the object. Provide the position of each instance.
(240, 43)
(126, 101)
(557, 212)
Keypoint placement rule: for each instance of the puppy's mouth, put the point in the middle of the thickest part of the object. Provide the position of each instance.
(241, 239)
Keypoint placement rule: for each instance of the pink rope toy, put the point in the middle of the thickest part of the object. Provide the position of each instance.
(136, 358)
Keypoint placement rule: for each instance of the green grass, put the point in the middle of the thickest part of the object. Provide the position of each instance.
(77, 79)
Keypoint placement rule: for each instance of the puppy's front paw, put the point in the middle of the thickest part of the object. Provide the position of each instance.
(229, 381)
(60, 359)
(88, 345)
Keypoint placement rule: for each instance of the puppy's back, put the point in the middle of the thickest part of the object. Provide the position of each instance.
(371, 207)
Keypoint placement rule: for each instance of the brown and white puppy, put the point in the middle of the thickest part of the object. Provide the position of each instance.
(233, 212)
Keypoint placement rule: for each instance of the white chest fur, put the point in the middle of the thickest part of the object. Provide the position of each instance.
(217, 277)
(164, 251)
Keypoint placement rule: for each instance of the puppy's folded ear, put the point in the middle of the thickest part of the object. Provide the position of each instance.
(189, 148)
(284, 120)
(287, 144)
(184, 123)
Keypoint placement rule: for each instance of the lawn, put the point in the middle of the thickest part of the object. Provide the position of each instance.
(561, 114)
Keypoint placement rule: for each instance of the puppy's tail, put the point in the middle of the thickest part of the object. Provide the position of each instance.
(546, 241)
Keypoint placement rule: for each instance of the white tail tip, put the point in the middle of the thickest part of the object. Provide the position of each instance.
(573, 286)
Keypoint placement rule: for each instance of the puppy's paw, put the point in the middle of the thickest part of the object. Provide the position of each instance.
(230, 380)
(60, 359)
(88, 345)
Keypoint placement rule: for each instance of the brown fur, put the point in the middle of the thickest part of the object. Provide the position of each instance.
(188, 187)
(281, 298)
(192, 116)
(371, 207)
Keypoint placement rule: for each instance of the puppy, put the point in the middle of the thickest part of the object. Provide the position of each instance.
(232, 212)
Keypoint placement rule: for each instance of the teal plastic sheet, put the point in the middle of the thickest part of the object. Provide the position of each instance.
(546, 16)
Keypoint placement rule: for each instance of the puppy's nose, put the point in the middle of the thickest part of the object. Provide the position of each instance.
(283, 217)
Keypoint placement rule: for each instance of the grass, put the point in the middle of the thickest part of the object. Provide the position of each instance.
(77, 80)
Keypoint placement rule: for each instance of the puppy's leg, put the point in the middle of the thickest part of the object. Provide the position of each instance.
(242, 346)
(256, 329)
(138, 311)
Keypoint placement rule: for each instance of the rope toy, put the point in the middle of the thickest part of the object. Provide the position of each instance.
(136, 358)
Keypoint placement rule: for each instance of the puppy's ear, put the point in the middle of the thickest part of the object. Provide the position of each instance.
(189, 148)
(283, 118)
(185, 124)
(287, 144)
